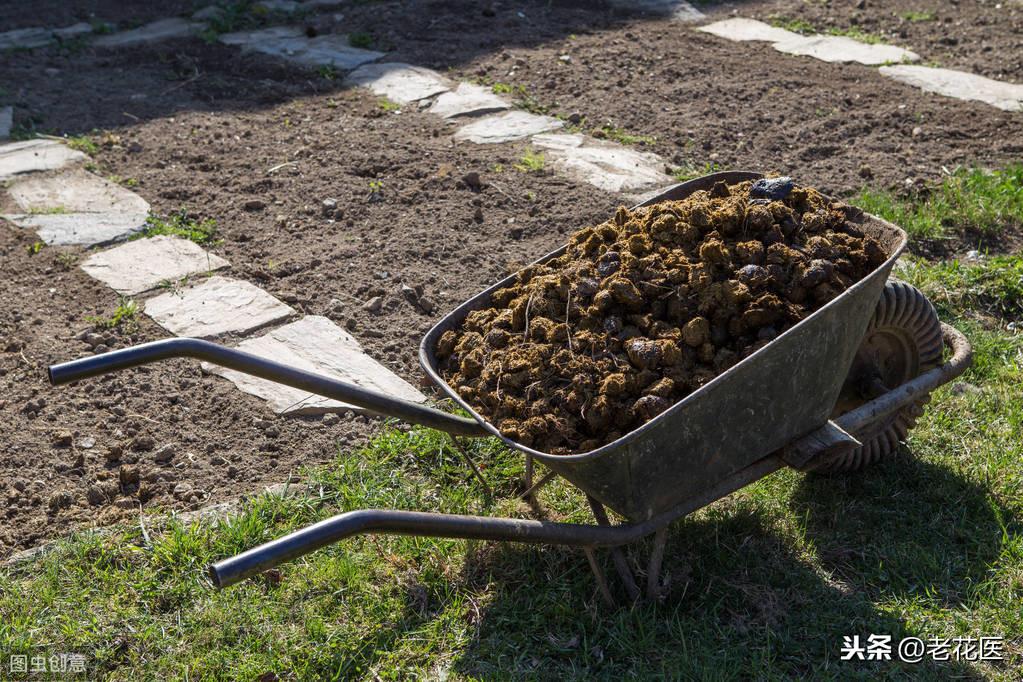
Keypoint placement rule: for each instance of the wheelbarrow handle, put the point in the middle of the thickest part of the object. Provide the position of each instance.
(248, 363)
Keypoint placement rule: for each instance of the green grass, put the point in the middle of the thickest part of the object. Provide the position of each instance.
(992, 285)
(125, 316)
(532, 161)
(48, 210)
(35, 247)
(917, 16)
(387, 105)
(83, 144)
(794, 25)
(181, 224)
(360, 39)
(856, 34)
(612, 132)
(969, 201)
(691, 171)
(327, 72)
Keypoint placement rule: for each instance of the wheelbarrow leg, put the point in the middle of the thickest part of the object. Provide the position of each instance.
(472, 465)
(530, 493)
(528, 479)
(598, 574)
(653, 573)
(621, 564)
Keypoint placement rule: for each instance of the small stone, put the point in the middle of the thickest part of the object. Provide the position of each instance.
(93, 340)
(128, 475)
(142, 443)
(426, 305)
(113, 453)
(63, 439)
(374, 304)
(62, 499)
(472, 181)
(917, 131)
(329, 205)
(775, 189)
(20, 484)
(101, 348)
(165, 454)
(566, 59)
(254, 205)
(87, 443)
(96, 494)
(330, 419)
(182, 490)
(409, 293)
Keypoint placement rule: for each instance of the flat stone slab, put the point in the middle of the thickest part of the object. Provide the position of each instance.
(959, 84)
(468, 99)
(606, 165)
(507, 127)
(677, 9)
(144, 264)
(291, 43)
(164, 29)
(6, 122)
(75, 207)
(318, 345)
(401, 83)
(739, 29)
(29, 38)
(30, 156)
(843, 49)
(216, 306)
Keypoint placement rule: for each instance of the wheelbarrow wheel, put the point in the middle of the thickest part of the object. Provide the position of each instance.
(902, 341)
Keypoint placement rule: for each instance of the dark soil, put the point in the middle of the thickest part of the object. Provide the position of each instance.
(105, 15)
(643, 309)
(199, 127)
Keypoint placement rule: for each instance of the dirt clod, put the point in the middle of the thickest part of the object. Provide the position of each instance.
(649, 306)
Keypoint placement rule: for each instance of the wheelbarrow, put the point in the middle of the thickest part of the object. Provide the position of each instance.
(837, 391)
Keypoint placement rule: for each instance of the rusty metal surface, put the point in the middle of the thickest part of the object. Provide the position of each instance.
(782, 392)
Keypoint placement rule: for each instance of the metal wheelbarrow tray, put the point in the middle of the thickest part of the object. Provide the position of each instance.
(838, 389)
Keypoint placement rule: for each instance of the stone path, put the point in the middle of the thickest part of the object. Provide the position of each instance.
(32, 156)
(827, 48)
(216, 306)
(145, 264)
(959, 84)
(291, 43)
(75, 207)
(604, 165)
(946, 82)
(29, 38)
(66, 204)
(676, 9)
(398, 82)
(164, 29)
(318, 345)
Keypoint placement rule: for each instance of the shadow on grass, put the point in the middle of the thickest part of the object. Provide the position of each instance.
(908, 529)
(744, 600)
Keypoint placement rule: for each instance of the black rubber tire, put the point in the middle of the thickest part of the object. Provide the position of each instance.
(902, 341)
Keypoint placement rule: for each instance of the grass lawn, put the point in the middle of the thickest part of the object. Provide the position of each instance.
(763, 584)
